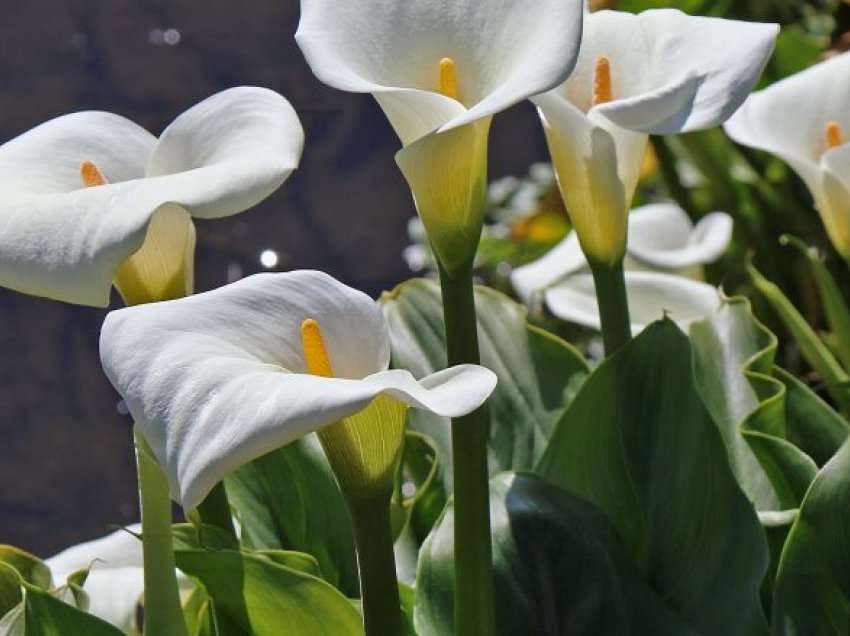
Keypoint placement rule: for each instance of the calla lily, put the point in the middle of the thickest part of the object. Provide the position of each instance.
(658, 72)
(665, 253)
(440, 69)
(91, 198)
(661, 237)
(115, 581)
(651, 296)
(803, 119)
(218, 379)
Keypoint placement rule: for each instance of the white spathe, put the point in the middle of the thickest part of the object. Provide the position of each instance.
(665, 252)
(661, 237)
(669, 73)
(115, 582)
(501, 51)
(65, 241)
(790, 118)
(218, 379)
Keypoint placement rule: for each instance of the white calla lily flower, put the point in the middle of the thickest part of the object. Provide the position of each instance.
(440, 69)
(651, 295)
(804, 119)
(115, 582)
(658, 72)
(661, 237)
(218, 379)
(91, 198)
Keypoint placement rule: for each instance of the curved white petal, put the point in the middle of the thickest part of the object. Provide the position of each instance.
(834, 207)
(563, 259)
(651, 295)
(46, 159)
(115, 582)
(217, 379)
(699, 71)
(67, 243)
(227, 153)
(789, 118)
(661, 236)
(505, 50)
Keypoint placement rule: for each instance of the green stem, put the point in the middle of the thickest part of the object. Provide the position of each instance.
(163, 611)
(215, 509)
(667, 164)
(378, 581)
(610, 284)
(473, 551)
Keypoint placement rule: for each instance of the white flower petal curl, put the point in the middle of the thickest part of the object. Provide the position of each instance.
(217, 379)
(651, 295)
(699, 70)
(505, 52)
(661, 236)
(66, 242)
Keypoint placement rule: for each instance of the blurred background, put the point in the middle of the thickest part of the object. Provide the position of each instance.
(66, 462)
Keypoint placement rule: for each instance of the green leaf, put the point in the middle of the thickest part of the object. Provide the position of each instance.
(774, 427)
(257, 594)
(560, 568)
(813, 582)
(39, 613)
(638, 442)
(538, 372)
(289, 500)
(813, 349)
(30, 567)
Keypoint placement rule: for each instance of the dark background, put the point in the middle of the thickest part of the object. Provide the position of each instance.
(66, 465)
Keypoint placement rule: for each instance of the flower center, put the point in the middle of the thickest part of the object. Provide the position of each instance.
(834, 138)
(448, 78)
(315, 353)
(602, 92)
(90, 175)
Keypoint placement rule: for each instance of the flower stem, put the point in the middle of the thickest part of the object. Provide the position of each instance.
(215, 509)
(610, 284)
(473, 551)
(378, 579)
(163, 611)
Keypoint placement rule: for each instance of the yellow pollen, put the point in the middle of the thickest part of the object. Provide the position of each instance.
(834, 138)
(602, 81)
(448, 78)
(315, 353)
(90, 175)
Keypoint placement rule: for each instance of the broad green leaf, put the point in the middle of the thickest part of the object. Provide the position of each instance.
(638, 442)
(813, 349)
(39, 613)
(813, 582)
(560, 569)
(289, 500)
(538, 372)
(10, 589)
(30, 567)
(774, 427)
(256, 594)
(187, 536)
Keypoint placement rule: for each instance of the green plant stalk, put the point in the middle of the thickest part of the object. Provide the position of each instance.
(473, 593)
(215, 510)
(610, 281)
(813, 349)
(376, 562)
(163, 611)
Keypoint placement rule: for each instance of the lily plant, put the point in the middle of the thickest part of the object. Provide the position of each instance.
(809, 135)
(440, 70)
(92, 200)
(218, 379)
(659, 72)
(664, 260)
